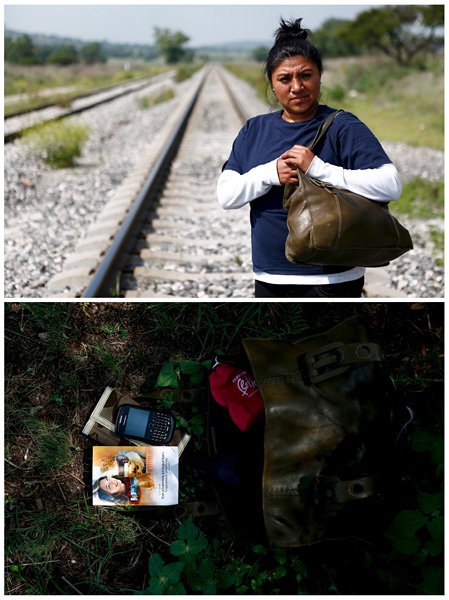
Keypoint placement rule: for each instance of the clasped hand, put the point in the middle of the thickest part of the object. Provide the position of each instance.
(298, 157)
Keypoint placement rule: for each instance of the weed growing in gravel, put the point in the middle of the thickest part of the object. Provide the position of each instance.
(421, 199)
(150, 101)
(59, 143)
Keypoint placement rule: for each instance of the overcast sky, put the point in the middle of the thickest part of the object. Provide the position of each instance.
(202, 23)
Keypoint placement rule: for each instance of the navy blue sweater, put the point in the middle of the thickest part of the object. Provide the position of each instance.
(348, 143)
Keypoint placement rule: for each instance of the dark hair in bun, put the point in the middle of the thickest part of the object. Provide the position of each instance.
(291, 40)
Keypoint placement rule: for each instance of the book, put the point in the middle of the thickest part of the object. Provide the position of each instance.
(135, 475)
(101, 423)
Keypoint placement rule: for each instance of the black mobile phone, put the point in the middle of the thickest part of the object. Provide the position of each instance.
(145, 424)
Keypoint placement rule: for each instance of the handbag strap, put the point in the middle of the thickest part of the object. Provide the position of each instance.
(323, 128)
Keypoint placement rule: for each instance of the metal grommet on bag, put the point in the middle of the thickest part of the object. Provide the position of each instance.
(364, 351)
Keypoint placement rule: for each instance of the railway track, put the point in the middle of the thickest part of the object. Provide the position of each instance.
(19, 123)
(173, 239)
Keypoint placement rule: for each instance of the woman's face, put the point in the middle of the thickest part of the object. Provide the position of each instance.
(112, 486)
(296, 83)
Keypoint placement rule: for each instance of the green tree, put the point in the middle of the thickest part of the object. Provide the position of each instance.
(20, 50)
(260, 53)
(64, 55)
(401, 32)
(92, 53)
(330, 42)
(170, 45)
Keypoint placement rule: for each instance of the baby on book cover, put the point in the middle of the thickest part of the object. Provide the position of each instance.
(135, 475)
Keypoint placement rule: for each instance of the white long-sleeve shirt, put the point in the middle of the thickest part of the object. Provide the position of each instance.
(382, 184)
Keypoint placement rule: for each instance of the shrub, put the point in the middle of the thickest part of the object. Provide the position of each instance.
(59, 142)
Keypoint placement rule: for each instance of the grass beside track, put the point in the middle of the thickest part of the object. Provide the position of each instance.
(35, 83)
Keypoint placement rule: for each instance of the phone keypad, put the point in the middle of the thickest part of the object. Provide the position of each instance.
(159, 428)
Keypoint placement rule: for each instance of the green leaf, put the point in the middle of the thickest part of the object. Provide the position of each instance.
(280, 572)
(197, 545)
(155, 565)
(188, 530)
(206, 568)
(433, 582)
(210, 589)
(157, 587)
(405, 545)
(423, 441)
(173, 571)
(407, 522)
(280, 555)
(430, 503)
(258, 549)
(403, 529)
(226, 578)
(197, 420)
(197, 378)
(168, 377)
(190, 366)
(177, 589)
(436, 529)
(437, 451)
(178, 548)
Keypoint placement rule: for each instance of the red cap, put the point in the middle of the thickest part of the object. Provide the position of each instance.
(237, 390)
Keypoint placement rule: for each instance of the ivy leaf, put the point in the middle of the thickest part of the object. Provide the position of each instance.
(168, 377)
(189, 367)
(197, 378)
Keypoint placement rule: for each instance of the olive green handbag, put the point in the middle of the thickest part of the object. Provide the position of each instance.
(331, 226)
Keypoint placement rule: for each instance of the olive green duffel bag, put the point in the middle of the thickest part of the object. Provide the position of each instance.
(319, 460)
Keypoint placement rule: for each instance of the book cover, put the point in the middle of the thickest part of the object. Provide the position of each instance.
(135, 475)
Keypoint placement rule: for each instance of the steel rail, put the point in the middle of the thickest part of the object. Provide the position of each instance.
(104, 280)
(234, 100)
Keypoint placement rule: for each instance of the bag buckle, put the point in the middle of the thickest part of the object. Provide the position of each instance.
(331, 491)
(325, 362)
(336, 358)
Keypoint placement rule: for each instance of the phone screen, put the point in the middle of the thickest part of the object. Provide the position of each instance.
(137, 422)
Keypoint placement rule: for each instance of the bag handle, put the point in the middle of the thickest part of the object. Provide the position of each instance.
(323, 128)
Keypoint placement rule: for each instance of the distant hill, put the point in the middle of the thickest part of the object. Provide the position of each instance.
(236, 46)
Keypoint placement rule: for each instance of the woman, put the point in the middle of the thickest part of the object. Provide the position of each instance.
(271, 147)
(111, 489)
